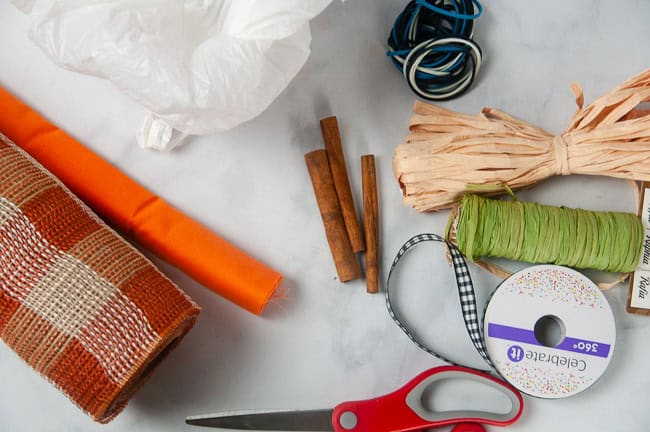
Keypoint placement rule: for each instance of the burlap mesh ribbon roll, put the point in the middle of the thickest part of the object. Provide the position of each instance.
(77, 302)
(447, 153)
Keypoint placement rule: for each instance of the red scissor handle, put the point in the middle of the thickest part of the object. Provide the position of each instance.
(403, 410)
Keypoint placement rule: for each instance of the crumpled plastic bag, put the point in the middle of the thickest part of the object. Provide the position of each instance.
(197, 66)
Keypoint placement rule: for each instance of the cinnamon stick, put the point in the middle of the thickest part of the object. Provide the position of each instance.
(332, 139)
(370, 221)
(345, 261)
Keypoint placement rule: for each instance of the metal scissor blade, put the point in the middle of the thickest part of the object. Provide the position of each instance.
(307, 420)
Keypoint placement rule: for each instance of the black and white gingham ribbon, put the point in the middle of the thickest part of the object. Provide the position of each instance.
(465, 294)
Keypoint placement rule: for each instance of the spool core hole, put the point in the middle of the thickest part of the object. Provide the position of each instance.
(549, 331)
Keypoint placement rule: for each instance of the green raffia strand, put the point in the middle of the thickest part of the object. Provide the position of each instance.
(535, 233)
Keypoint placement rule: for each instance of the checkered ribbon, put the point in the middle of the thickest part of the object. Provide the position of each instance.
(465, 294)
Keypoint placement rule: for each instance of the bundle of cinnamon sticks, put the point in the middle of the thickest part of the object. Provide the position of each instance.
(331, 183)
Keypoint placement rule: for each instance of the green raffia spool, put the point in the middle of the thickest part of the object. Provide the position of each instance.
(535, 233)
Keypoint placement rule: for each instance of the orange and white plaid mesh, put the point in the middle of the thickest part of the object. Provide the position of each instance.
(78, 303)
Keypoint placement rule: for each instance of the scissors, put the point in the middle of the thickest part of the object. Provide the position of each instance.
(403, 410)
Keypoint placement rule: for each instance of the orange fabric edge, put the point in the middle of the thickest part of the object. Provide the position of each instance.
(156, 225)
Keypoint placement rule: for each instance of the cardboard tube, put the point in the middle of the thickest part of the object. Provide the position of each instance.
(159, 227)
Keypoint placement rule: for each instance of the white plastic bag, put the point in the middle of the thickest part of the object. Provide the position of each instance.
(197, 66)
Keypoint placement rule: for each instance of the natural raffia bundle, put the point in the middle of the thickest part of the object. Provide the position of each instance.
(78, 303)
(447, 152)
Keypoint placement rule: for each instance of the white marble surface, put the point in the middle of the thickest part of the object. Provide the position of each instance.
(328, 342)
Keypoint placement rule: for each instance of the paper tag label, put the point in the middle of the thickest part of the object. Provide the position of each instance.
(640, 297)
(645, 209)
(638, 301)
(644, 260)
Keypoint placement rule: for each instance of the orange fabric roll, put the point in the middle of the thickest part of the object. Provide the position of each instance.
(148, 219)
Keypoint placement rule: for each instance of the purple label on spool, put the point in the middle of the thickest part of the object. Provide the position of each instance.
(516, 334)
